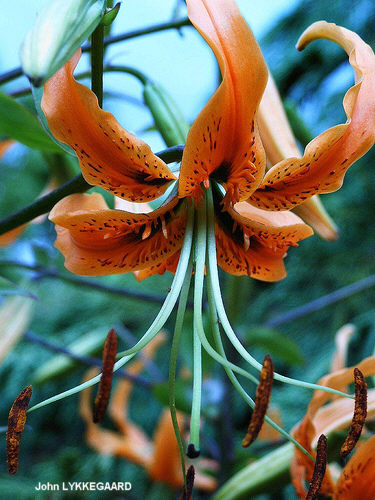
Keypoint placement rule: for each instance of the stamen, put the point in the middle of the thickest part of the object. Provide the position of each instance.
(164, 227)
(262, 400)
(359, 416)
(187, 494)
(16, 424)
(319, 468)
(105, 385)
(192, 452)
(246, 241)
(147, 231)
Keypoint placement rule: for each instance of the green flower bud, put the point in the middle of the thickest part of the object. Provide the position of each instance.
(168, 118)
(58, 32)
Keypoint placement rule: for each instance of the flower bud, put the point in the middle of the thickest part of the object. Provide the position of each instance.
(59, 30)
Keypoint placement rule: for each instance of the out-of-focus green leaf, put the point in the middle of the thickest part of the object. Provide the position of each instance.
(60, 364)
(8, 287)
(182, 394)
(15, 316)
(267, 474)
(275, 343)
(16, 122)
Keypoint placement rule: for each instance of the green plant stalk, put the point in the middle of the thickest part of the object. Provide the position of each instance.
(75, 185)
(267, 473)
(97, 55)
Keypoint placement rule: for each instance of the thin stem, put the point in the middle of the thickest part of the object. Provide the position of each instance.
(85, 360)
(87, 283)
(214, 278)
(97, 55)
(75, 185)
(321, 302)
(44, 204)
(173, 363)
(109, 40)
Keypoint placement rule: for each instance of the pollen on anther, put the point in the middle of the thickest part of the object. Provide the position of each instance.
(359, 415)
(105, 385)
(262, 400)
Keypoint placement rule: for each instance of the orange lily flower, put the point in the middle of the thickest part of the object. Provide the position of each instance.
(279, 143)
(356, 480)
(160, 456)
(223, 146)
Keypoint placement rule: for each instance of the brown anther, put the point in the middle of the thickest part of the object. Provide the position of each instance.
(262, 400)
(16, 424)
(187, 493)
(104, 391)
(319, 468)
(359, 415)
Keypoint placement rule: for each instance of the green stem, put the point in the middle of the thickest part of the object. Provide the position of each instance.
(76, 185)
(173, 363)
(97, 55)
(17, 72)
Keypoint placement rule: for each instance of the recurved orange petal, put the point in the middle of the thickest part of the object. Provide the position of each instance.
(223, 142)
(279, 143)
(328, 156)
(98, 241)
(253, 242)
(109, 156)
(357, 480)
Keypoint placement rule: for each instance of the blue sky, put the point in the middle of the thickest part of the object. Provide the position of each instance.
(183, 65)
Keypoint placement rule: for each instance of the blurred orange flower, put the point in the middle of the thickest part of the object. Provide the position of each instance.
(357, 479)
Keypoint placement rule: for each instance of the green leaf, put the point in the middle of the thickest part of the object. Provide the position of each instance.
(88, 344)
(16, 122)
(182, 393)
(276, 343)
(8, 287)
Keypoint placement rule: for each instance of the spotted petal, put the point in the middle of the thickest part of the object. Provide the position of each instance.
(98, 241)
(253, 242)
(357, 478)
(223, 142)
(328, 156)
(109, 156)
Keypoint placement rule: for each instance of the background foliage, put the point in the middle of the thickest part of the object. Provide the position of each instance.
(53, 448)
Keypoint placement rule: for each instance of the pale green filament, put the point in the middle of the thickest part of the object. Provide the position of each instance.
(233, 378)
(214, 279)
(200, 255)
(173, 362)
